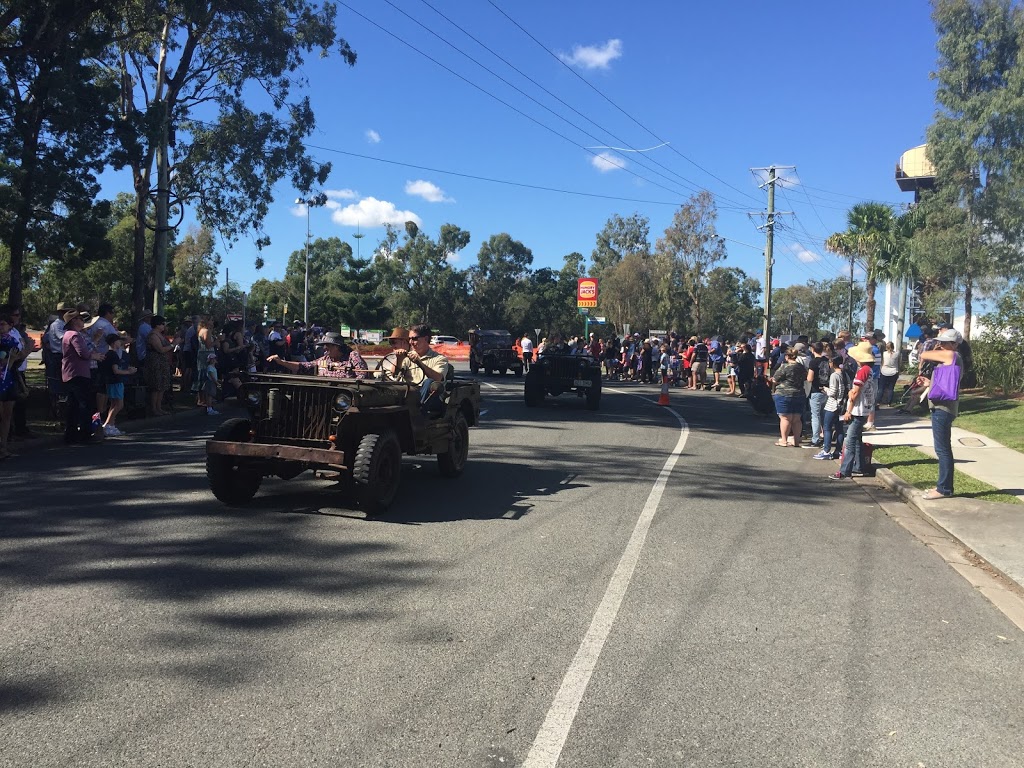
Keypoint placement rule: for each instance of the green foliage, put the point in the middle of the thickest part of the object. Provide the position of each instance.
(999, 352)
(731, 303)
(818, 307)
(501, 271)
(354, 288)
(689, 248)
(621, 237)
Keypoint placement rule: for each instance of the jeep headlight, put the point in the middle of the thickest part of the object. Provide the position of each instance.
(342, 402)
(254, 399)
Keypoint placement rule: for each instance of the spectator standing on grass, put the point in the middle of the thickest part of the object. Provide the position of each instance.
(945, 406)
(115, 370)
(859, 403)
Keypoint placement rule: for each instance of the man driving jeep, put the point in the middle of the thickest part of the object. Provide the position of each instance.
(421, 365)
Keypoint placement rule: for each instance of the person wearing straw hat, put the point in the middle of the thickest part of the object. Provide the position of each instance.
(859, 404)
(339, 360)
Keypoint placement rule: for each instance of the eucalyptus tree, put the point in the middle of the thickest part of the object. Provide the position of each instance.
(190, 71)
(56, 110)
(502, 268)
(692, 247)
(620, 237)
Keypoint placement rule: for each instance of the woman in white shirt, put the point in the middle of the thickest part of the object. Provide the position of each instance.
(888, 374)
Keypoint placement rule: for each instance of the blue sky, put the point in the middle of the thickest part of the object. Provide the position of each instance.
(839, 90)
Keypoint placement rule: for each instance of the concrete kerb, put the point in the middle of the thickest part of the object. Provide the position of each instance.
(912, 496)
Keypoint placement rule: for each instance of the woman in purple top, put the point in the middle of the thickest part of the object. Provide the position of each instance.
(77, 376)
(339, 361)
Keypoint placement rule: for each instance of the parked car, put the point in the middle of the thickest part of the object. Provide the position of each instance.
(444, 340)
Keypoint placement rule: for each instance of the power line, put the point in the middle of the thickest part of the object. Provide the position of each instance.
(500, 100)
(620, 109)
(628, 147)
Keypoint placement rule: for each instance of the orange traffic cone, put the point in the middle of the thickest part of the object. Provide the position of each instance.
(663, 399)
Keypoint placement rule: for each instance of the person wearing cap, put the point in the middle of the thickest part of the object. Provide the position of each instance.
(77, 377)
(339, 360)
(944, 411)
(399, 339)
(859, 403)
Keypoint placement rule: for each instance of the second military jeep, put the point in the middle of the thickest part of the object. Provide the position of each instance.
(559, 371)
(353, 431)
(493, 351)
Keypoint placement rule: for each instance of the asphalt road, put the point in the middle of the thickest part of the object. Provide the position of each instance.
(548, 607)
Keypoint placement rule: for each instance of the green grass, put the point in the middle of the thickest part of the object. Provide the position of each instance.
(1001, 419)
(922, 471)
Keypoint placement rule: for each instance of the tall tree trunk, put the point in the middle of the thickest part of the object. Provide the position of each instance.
(139, 245)
(870, 287)
(23, 215)
(968, 302)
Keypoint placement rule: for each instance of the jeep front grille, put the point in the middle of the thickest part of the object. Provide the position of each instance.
(563, 367)
(302, 413)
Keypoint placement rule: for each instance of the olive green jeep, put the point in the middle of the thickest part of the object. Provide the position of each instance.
(353, 431)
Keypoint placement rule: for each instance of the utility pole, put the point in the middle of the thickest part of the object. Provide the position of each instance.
(769, 260)
(849, 319)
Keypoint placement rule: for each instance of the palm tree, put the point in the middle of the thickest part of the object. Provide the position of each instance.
(867, 225)
(896, 262)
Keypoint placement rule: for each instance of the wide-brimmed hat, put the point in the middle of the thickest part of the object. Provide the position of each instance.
(63, 306)
(74, 313)
(862, 353)
(331, 338)
(146, 314)
(399, 334)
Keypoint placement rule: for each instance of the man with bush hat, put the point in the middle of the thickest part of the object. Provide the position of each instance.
(339, 360)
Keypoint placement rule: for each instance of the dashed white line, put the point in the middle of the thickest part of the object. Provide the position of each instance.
(547, 746)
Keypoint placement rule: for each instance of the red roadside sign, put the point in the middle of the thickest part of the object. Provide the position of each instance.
(586, 292)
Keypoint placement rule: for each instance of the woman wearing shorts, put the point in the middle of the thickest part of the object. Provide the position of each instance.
(790, 398)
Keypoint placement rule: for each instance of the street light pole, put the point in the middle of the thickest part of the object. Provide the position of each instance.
(316, 200)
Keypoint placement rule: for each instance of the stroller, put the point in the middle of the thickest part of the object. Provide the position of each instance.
(760, 396)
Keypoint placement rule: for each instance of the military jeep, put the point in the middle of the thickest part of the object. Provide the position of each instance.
(558, 371)
(493, 351)
(351, 431)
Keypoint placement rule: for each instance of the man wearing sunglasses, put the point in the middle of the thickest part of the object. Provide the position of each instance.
(421, 365)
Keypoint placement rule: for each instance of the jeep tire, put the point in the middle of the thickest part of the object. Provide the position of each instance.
(231, 482)
(377, 471)
(453, 461)
(533, 389)
(594, 394)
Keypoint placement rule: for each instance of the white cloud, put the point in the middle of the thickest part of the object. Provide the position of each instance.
(593, 56)
(606, 161)
(806, 256)
(372, 136)
(371, 212)
(334, 195)
(428, 191)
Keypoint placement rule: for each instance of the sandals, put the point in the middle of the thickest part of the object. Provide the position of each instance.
(933, 494)
(781, 444)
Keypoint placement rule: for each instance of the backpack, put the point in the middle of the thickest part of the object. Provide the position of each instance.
(850, 367)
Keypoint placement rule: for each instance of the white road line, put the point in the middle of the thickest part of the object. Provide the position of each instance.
(547, 746)
(488, 384)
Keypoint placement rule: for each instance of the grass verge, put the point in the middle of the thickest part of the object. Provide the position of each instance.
(922, 471)
(1001, 419)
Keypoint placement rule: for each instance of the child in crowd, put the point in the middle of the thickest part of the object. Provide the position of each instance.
(115, 368)
(663, 362)
(209, 392)
(832, 429)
